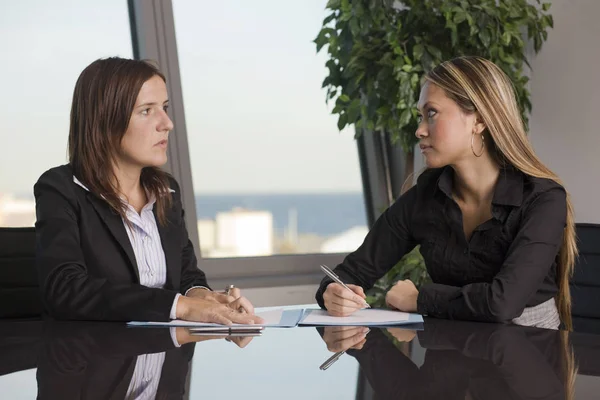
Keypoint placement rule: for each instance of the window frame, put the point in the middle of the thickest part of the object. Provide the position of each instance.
(381, 164)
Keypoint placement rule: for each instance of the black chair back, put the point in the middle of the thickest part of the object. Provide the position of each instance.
(585, 284)
(19, 286)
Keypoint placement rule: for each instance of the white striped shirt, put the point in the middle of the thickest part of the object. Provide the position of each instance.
(146, 377)
(147, 247)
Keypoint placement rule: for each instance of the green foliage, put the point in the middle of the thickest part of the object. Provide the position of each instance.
(410, 267)
(379, 51)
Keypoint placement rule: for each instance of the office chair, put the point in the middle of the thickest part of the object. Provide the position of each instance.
(585, 284)
(19, 287)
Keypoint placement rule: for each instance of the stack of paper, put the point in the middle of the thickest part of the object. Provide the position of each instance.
(285, 318)
(366, 317)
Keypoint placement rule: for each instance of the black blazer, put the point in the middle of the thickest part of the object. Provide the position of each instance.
(85, 261)
(92, 360)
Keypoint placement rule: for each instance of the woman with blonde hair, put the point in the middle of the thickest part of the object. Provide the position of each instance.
(495, 225)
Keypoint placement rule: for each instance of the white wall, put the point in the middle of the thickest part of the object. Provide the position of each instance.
(565, 86)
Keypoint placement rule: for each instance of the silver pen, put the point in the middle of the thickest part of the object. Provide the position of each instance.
(329, 362)
(337, 279)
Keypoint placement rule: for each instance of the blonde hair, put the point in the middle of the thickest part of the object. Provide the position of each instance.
(478, 85)
(568, 367)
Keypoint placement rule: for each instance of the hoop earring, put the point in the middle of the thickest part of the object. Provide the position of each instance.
(482, 146)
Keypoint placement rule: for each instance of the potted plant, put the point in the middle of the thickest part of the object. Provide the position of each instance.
(379, 50)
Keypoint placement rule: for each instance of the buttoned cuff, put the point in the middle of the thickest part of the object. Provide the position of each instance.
(173, 332)
(434, 299)
(173, 314)
(423, 301)
(196, 287)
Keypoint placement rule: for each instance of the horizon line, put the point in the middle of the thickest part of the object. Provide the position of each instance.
(200, 194)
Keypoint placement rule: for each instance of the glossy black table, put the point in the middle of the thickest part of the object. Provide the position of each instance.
(445, 360)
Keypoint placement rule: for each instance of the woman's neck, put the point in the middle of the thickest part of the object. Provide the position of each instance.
(474, 180)
(128, 184)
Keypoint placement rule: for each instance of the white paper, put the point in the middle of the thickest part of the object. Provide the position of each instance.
(363, 317)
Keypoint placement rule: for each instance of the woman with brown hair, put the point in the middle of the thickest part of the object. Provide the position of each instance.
(495, 225)
(111, 237)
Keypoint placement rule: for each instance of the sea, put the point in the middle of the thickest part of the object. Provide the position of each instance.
(321, 214)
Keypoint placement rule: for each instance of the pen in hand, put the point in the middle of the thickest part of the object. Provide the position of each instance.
(337, 279)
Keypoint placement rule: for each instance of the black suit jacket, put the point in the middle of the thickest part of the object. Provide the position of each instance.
(94, 360)
(85, 261)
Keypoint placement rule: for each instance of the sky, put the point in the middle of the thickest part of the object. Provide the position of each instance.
(256, 116)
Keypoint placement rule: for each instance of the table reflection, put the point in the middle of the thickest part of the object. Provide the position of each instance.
(112, 361)
(468, 361)
(443, 360)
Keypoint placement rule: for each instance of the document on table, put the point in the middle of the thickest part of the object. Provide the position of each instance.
(365, 317)
(278, 318)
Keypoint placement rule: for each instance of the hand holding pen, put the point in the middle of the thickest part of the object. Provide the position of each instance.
(341, 300)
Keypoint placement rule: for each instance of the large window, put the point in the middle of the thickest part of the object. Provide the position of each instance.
(271, 172)
(45, 45)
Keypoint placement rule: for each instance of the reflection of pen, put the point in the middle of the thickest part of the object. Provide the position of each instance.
(337, 279)
(226, 334)
(329, 362)
(224, 330)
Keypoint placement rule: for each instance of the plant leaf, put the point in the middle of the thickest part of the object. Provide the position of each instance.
(333, 4)
(342, 121)
(418, 51)
(484, 36)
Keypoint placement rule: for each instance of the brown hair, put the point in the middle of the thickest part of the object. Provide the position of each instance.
(478, 85)
(103, 101)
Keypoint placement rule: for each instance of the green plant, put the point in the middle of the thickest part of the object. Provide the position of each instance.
(379, 51)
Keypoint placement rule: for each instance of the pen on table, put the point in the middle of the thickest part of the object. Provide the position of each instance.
(337, 279)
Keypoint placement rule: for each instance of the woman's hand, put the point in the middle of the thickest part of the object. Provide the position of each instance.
(402, 335)
(202, 310)
(340, 302)
(403, 296)
(223, 298)
(342, 338)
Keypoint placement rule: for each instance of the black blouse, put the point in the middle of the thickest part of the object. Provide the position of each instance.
(508, 264)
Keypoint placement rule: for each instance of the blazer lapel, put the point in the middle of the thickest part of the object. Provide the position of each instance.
(170, 238)
(115, 225)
